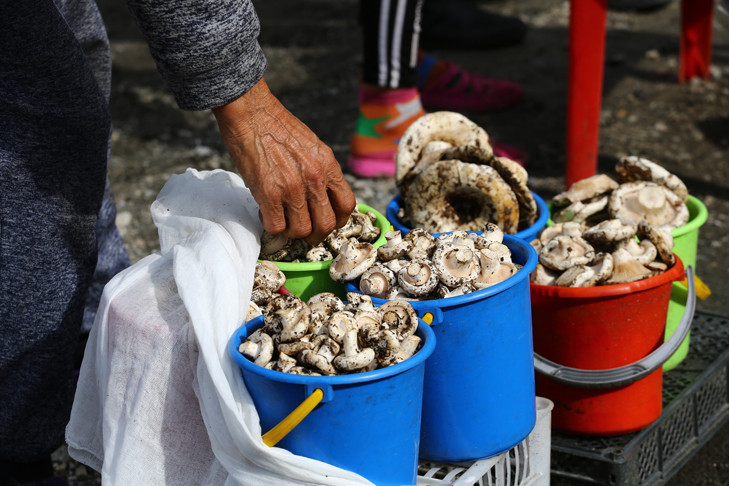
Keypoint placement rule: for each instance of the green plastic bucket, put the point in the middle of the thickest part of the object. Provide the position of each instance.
(685, 245)
(305, 279)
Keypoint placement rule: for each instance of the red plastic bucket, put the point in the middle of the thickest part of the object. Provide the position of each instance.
(599, 351)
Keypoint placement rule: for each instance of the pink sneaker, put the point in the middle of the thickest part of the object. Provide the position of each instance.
(447, 86)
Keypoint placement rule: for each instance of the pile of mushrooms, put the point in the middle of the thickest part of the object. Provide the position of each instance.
(574, 255)
(325, 336)
(282, 249)
(419, 266)
(644, 191)
(450, 179)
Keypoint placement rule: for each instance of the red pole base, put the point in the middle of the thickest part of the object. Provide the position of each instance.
(584, 88)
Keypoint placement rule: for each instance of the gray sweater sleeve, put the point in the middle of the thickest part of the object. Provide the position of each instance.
(206, 50)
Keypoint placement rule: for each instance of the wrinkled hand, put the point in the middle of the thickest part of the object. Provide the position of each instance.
(293, 175)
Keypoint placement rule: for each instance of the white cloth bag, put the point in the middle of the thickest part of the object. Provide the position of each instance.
(159, 402)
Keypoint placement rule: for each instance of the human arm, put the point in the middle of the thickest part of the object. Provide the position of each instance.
(208, 54)
(293, 175)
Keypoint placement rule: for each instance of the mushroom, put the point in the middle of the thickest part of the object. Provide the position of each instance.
(418, 278)
(442, 291)
(510, 171)
(587, 275)
(661, 238)
(339, 323)
(456, 265)
(319, 253)
(455, 239)
(288, 316)
(253, 311)
(408, 347)
(394, 248)
(353, 259)
(609, 231)
(634, 168)
(258, 348)
(353, 358)
(450, 195)
(581, 211)
(444, 126)
(284, 363)
(274, 246)
(645, 251)
(387, 348)
(268, 275)
(368, 231)
(492, 269)
(567, 228)
(543, 275)
(377, 281)
(399, 316)
(626, 268)
(492, 232)
(588, 188)
(318, 361)
(261, 296)
(422, 243)
(562, 252)
(636, 201)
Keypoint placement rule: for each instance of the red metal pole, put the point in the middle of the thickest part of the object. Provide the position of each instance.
(584, 87)
(696, 31)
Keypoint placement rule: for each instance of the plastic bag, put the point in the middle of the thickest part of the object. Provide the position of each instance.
(158, 399)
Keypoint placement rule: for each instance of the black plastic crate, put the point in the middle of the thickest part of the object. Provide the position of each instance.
(696, 404)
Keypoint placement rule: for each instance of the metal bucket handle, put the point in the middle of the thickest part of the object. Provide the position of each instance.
(624, 375)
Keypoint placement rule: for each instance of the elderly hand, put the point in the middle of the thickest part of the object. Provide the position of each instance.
(293, 175)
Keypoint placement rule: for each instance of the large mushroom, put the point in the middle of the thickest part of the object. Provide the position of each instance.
(634, 168)
(637, 201)
(444, 127)
(353, 259)
(450, 195)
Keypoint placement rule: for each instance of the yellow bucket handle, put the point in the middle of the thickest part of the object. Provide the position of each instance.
(702, 290)
(280, 430)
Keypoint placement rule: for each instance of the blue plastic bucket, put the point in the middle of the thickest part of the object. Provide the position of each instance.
(367, 423)
(479, 395)
(528, 234)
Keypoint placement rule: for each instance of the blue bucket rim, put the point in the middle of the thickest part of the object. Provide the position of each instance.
(510, 241)
(542, 215)
(424, 330)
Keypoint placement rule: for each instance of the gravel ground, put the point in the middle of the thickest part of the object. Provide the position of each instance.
(313, 52)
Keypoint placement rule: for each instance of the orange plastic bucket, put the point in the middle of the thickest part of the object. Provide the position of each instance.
(599, 351)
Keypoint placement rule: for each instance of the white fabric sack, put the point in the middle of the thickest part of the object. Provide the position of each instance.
(159, 402)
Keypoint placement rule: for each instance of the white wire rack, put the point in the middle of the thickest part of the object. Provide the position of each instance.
(527, 464)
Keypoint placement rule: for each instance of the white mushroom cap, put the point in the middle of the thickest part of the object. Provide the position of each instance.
(399, 316)
(634, 168)
(450, 195)
(567, 229)
(319, 253)
(645, 251)
(288, 316)
(444, 126)
(492, 232)
(588, 188)
(408, 347)
(456, 265)
(422, 243)
(492, 269)
(253, 311)
(626, 268)
(636, 201)
(587, 275)
(610, 231)
(353, 358)
(339, 323)
(543, 275)
(395, 247)
(418, 278)
(353, 260)
(661, 238)
(318, 361)
(387, 348)
(581, 211)
(562, 252)
(274, 246)
(377, 281)
(324, 304)
(269, 276)
(257, 348)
